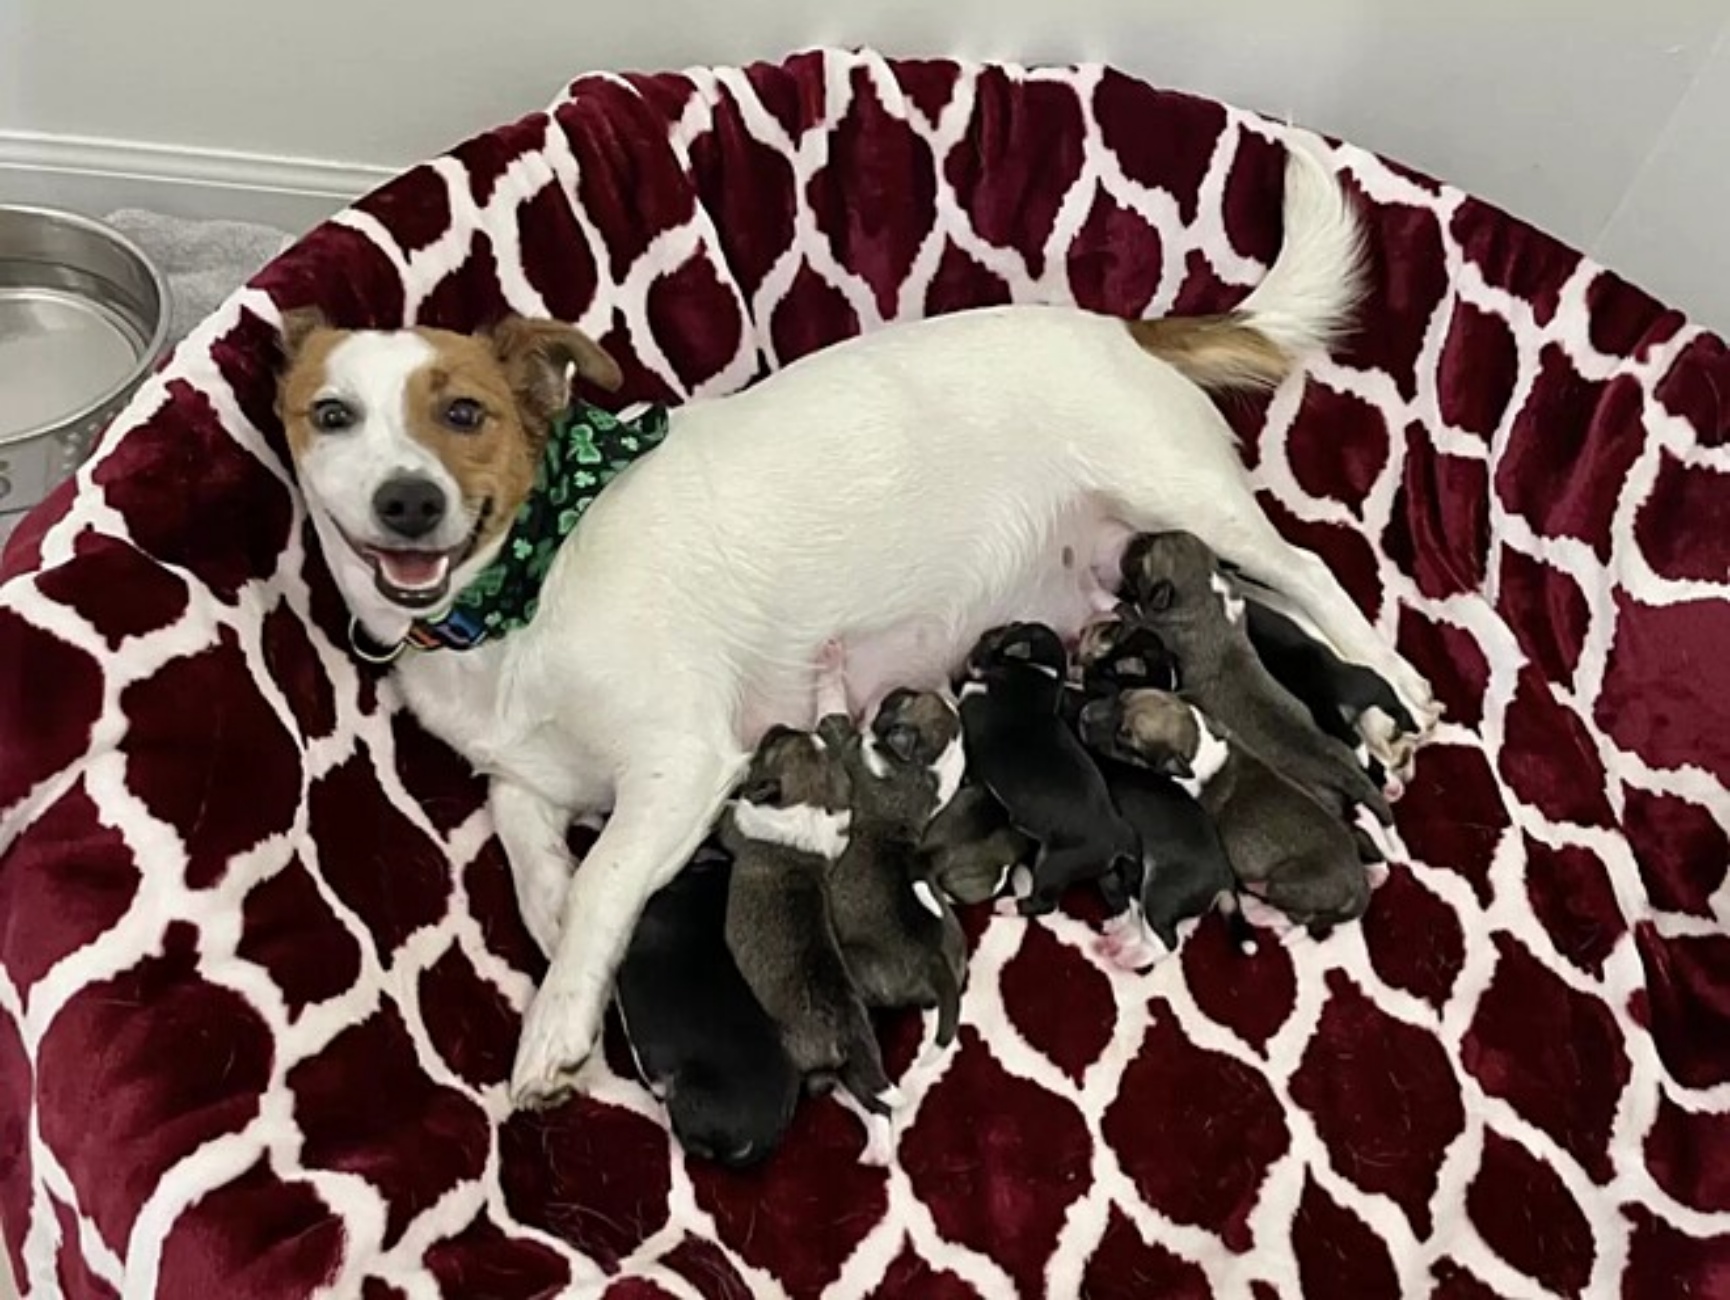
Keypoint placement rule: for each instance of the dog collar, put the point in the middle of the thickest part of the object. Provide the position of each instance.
(586, 450)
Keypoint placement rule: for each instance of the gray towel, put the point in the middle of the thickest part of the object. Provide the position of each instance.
(204, 261)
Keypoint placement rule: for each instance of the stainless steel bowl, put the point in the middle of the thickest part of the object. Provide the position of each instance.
(83, 318)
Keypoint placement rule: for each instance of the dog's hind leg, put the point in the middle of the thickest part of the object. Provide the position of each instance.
(664, 809)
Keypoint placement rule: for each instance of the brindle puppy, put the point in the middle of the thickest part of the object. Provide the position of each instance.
(1284, 847)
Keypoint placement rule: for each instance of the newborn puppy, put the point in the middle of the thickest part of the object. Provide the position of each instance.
(1336, 693)
(901, 941)
(1286, 848)
(701, 1041)
(970, 847)
(1020, 748)
(1175, 584)
(1182, 870)
(785, 829)
(1123, 653)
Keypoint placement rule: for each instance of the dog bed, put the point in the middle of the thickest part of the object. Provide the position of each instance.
(262, 969)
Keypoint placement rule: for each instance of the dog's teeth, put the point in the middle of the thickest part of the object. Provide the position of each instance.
(413, 570)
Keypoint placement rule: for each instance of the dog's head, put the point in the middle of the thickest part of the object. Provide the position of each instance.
(1172, 575)
(1122, 654)
(912, 761)
(415, 447)
(796, 769)
(1025, 645)
(1151, 729)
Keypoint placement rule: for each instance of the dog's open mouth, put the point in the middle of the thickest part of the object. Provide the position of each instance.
(414, 579)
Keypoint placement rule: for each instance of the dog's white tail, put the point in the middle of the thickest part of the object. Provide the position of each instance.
(1302, 306)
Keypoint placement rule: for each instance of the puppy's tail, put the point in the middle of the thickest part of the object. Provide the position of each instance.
(1303, 304)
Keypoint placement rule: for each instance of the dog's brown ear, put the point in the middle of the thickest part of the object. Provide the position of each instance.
(535, 355)
(298, 325)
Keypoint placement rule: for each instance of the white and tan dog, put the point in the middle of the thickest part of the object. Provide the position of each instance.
(900, 493)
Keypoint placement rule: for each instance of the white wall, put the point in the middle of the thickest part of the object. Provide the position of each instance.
(1553, 108)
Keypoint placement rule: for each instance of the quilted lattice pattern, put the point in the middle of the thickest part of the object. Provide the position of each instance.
(259, 963)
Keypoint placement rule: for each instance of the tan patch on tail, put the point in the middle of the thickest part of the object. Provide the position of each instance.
(1223, 351)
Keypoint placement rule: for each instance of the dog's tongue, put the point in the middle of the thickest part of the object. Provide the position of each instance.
(413, 570)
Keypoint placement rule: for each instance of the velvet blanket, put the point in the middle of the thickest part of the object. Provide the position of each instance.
(260, 966)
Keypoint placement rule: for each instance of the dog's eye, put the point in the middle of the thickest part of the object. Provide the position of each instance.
(464, 414)
(332, 416)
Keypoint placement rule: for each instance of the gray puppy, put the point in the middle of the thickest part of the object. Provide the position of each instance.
(1286, 848)
(970, 847)
(901, 941)
(1175, 584)
(786, 828)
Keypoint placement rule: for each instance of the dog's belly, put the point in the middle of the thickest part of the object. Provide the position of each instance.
(1057, 583)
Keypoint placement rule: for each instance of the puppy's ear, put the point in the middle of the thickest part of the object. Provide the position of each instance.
(761, 789)
(1161, 595)
(901, 741)
(1018, 650)
(535, 355)
(298, 325)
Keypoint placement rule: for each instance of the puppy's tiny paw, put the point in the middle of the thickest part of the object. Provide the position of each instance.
(1128, 944)
(879, 1151)
(1006, 907)
(1377, 873)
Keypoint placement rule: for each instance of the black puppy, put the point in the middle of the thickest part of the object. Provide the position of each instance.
(702, 1042)
(785, 829)
(1337, 694)
(1183, 870)
(1020, 749)
(1123, 653)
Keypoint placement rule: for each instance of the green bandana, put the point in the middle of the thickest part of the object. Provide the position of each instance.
(587, 449)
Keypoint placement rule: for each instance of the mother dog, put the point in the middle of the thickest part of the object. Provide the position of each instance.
(899, 494)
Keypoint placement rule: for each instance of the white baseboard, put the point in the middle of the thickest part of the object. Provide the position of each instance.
(97, 176)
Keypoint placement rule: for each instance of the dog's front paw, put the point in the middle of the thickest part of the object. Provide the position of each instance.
(559, 1032)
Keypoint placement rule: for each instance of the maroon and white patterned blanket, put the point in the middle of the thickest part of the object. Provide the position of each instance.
(260, 967)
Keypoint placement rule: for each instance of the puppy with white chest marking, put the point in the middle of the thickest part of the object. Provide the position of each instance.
(631, 678)
(1182, 870)
(701, 1040)
(1284, 846)
(786, 830)
(902, 942)
(1175, 584)
(1024, 753)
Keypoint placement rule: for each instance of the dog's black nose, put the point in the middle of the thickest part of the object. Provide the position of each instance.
(409, 506)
